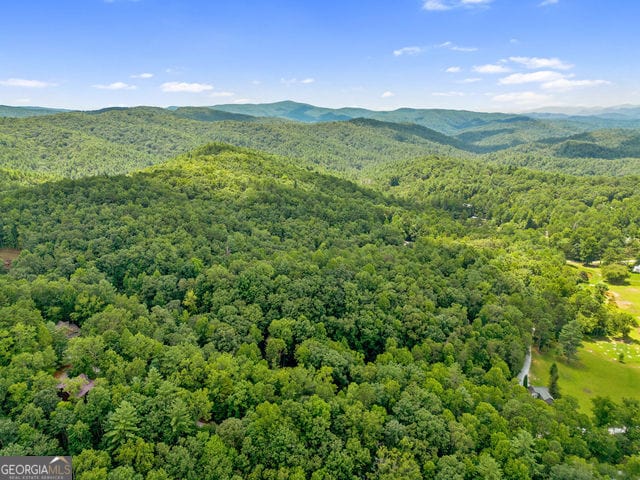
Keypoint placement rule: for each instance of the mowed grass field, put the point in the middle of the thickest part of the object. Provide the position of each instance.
(598, 370)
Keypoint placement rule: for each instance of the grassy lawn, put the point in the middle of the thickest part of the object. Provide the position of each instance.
(598, 371)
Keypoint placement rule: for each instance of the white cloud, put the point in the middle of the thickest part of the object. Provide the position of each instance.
(221, 94)
(470, 80)
(294, 81)
(534, 77)
(116, 86)
(491, 68)
(564, 84)
(456, 48)
(179, 87)
(21, 82)
(435, 5)
(143, 75)
(522, 98)
(387, 94)
(551, 80)
(443, 5)
(408, 51)
(242, 100)
(23, 100)
(537, 62)
(453, 70)
(256, 82)
(448, 94)
(549, 2)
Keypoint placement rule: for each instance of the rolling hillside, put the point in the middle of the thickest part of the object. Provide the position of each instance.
(449, 122)
(120, 140)
(250, 306)
(484, 132)
(613, 152)
(22, 112)
(115, 141)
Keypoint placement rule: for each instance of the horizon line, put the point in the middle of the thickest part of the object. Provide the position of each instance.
(213, 106)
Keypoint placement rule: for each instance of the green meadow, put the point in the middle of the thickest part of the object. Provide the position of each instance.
(598, 370)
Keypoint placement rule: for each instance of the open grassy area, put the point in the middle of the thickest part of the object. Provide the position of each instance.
(598, 371)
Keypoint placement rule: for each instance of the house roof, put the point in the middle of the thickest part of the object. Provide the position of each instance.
(542, 392)
(87, 384)
(70, 330)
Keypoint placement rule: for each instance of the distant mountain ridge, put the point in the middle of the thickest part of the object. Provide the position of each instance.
(632, 111)
(453, 122)
(445, 121)
(120, 140)
(623, 116)
(482, 131)
(206, 114)
(22, 112)
(123, 139)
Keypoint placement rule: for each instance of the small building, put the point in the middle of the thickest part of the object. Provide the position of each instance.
(617, 430)
(86, 385)
(541, 393)
(69, 329)
(636, 269)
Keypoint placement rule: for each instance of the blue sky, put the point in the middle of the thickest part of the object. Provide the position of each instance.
(492, 55)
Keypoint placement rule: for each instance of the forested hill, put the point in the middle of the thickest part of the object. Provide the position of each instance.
(121, 140)
(477, 131)
(623, 116)
(604, 144)
(449, 122)
(16, 178)
(446, 121)
(21, 112)
(206, 114)
(243, 316)
(601, 152)
(115, 141)
(586, 218)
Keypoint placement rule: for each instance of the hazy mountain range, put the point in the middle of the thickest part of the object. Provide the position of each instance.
(68, 143)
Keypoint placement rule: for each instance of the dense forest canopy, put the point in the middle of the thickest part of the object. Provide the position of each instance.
(352, 300)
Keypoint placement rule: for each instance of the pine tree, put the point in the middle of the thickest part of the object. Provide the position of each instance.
(123, 425)
(554, 390)
(571, 339)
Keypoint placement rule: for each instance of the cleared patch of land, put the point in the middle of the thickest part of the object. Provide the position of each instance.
(8, 255)
(598, 370)
(596, 373)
